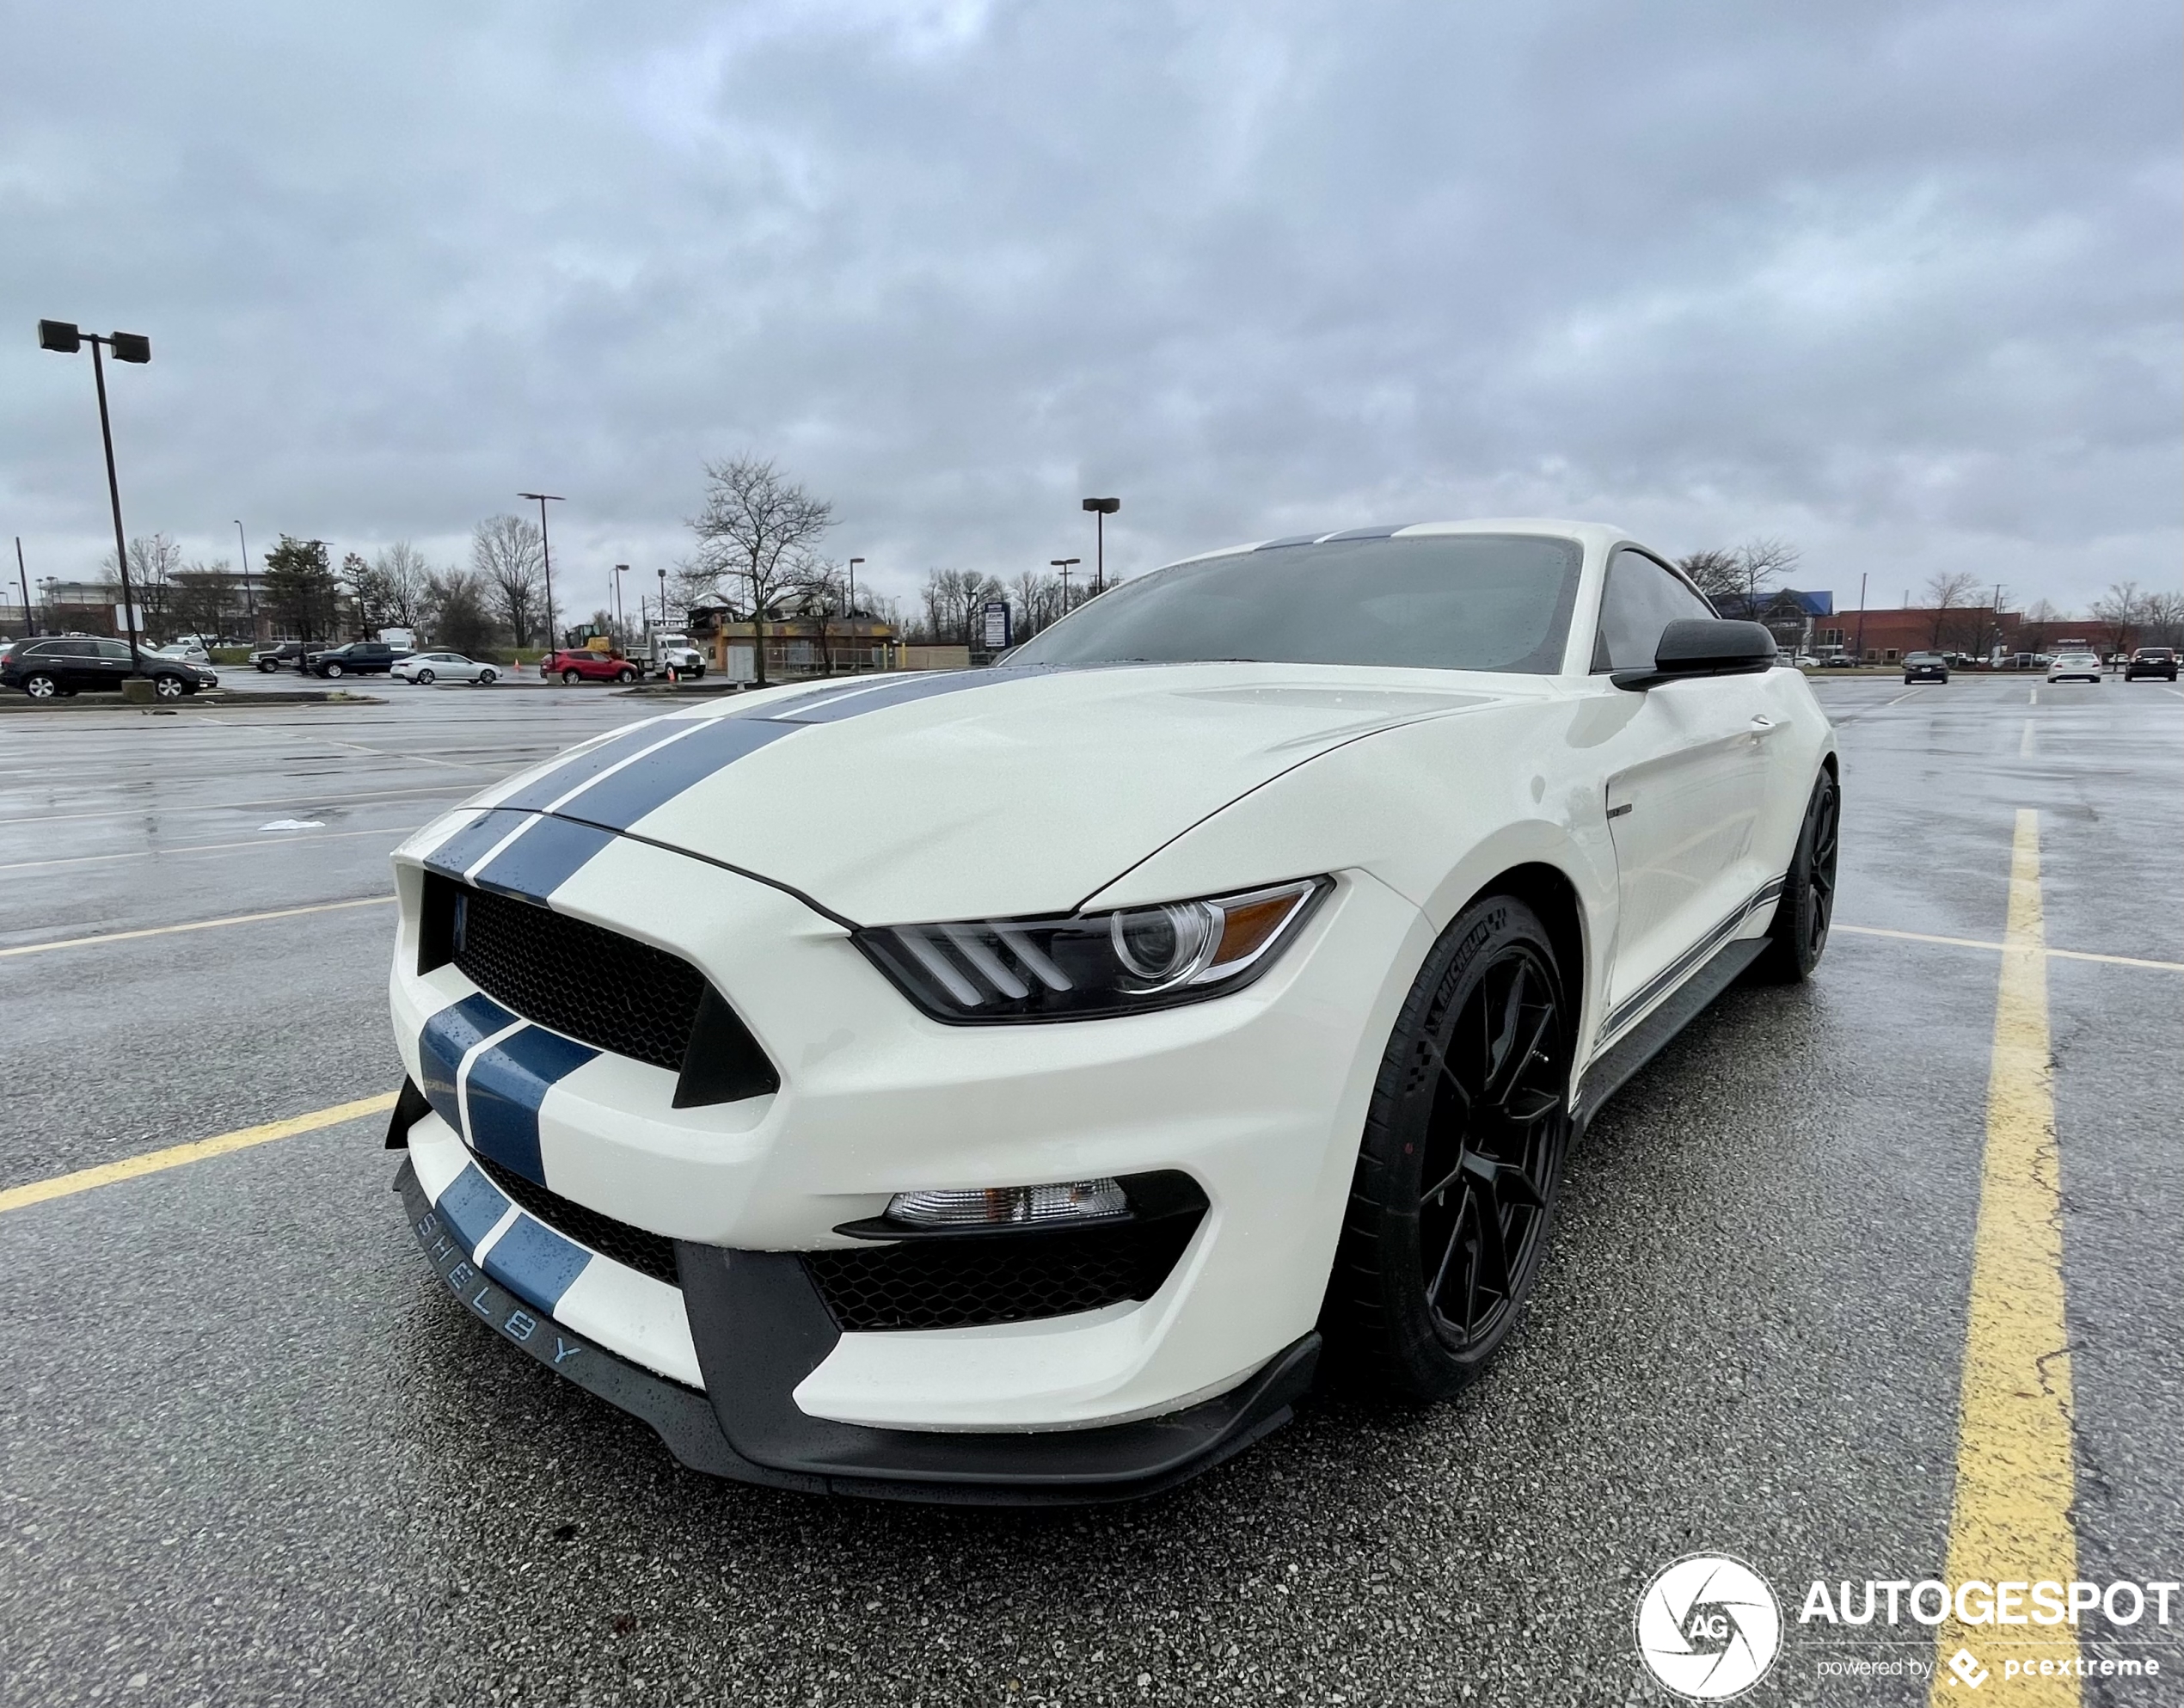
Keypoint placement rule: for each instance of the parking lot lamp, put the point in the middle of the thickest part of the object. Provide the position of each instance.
(546, 555)
(663, 602)
(851, 609)
(1101, 508)
(22, 578)
(66, 339)
(620, 621)
(1064, 564)
(249, 598)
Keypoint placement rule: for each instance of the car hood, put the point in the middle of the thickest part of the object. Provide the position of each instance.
(977, 793)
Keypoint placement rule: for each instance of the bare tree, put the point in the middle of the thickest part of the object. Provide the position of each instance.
(2123, 610)
(1946, 589)
(457, 609)
(507, 552)
(2033, 630)
(951, 598)
(154, 561)
(1713, 571)
(756, 531)
(1038, 602)
(400, 577)
(205, 598)
(2164, 616)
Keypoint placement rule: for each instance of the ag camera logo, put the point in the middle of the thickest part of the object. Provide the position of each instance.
(1708, 1627)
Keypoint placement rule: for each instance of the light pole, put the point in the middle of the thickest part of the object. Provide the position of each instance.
(23, 578)
(1861, 617)
(1101, 508)
(249, 598)
(1064, 564)
(62, 337)
(622, 622)
(663, 600)
(851, 610)
(546, 552)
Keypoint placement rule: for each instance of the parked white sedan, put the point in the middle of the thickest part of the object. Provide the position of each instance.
(1005, 1084)
(425, 668)
(2074, 668)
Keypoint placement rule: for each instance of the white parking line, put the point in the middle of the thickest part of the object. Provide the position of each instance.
(192, 926)
(2025, 741)
(1980, 942)
(396, 831)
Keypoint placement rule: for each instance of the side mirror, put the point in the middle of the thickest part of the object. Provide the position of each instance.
(1704, 646)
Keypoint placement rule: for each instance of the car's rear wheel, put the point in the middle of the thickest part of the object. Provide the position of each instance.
(423, 679)
(572, 677)
(1454, 1194)
(1798, 936)
(41, 687)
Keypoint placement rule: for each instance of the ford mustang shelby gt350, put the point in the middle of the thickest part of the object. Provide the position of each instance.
(1014, 1084)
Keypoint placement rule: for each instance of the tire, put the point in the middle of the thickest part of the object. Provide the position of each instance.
(1798, 936)
(625, 677)
(571, 677)
(423, 679)
(168, 687)
(1466, 1133)
(266, 666)
(41, 687)
(330, 670)
(486, 678)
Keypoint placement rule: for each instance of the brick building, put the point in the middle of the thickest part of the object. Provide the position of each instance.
(1884, 636)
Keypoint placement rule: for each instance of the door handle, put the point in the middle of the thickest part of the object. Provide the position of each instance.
(1762, 726)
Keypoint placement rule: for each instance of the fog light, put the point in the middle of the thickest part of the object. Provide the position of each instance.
(1073, 1201)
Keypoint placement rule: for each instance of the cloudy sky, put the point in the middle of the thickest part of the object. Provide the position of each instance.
(1899, 281)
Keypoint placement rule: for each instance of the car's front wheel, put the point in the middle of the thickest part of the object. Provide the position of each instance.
(329, 670)
(168, 687)
(485, 678)
(266, 666)
(41, 687)
(625, 676)
(1457, 1173)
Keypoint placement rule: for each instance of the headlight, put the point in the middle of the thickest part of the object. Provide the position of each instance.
(1081, 965)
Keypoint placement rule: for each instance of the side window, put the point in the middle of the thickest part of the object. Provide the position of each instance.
(1642, 598)
(111, 649)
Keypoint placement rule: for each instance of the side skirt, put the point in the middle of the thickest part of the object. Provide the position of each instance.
(1610, 1072)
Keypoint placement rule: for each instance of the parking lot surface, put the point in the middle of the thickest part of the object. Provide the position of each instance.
(249, 1453)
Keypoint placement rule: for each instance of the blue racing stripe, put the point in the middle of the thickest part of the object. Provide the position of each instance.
(449, 1037)
(620, 800)
(573, 773)
(471, 1206)
(540, 860)
(535, 1263)
(507, 1084)
(920, 687)
(471, 844)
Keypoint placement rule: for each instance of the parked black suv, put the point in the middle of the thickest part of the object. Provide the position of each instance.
(358, 658)
(2150, 661)
(79, 664)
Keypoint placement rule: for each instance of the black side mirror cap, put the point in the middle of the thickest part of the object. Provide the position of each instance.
(1704, 646)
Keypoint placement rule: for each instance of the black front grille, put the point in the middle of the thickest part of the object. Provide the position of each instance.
(587, 983)
(649, 1253)
(597, 986)
(963, 1282)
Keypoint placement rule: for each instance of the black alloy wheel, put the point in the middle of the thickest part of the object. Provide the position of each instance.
(1461, 1162)
(1798, 936)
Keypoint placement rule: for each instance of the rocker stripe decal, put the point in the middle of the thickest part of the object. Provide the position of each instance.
(504, 1087)
(1688, 962)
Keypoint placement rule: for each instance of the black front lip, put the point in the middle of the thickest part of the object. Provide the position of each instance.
(760, 1328)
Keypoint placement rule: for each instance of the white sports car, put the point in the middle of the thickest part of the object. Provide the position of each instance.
(427, 668)
(1013, 1085)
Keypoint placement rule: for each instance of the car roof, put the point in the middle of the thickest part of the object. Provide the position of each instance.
(1599, 534)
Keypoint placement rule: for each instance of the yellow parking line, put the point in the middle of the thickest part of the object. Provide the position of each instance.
(193, 926)
(2011, 1519)
(1978, 943)
(151, 1162)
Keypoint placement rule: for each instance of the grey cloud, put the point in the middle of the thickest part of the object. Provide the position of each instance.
(1897, 280)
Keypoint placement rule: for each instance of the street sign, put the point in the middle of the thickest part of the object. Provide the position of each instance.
(994, 615)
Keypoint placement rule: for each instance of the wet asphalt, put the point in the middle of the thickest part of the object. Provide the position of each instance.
(249, 1454)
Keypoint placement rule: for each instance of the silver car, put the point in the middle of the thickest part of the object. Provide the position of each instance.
(423, 668)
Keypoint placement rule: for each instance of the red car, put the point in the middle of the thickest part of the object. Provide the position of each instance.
(582, 665)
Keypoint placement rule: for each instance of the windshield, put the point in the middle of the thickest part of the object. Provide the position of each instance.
(1435, 602)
